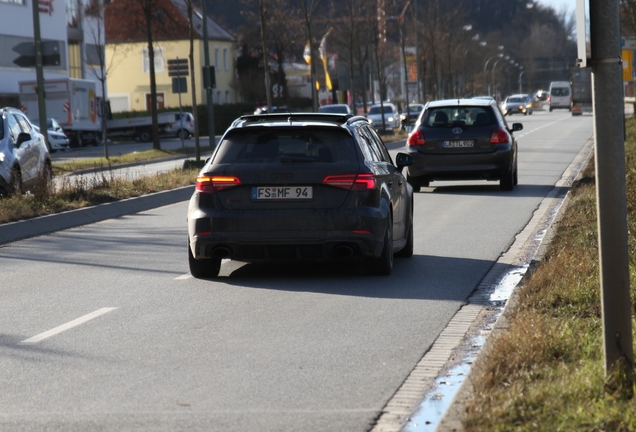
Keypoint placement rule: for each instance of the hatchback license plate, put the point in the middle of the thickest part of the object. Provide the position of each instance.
(282, 193)
(458, 144)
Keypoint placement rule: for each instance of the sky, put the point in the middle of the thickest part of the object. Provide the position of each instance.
(558, 5)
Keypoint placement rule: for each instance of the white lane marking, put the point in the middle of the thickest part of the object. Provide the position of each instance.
(183, 277)
(68, 325)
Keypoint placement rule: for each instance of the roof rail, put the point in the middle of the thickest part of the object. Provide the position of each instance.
(357, 118)
(296, 117)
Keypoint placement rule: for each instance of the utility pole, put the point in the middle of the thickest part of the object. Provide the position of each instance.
(208, 89)
(39, 72)
(609, 138)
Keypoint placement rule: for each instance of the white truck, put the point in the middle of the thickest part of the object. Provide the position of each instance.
(72, 102)
(140, 128)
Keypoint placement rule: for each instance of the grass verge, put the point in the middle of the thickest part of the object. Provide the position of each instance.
(135, 157)
(546, 371)
(79, 192)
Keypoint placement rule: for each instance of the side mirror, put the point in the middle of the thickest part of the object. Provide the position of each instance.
(23, 137)
(402, 160)
(517, 127)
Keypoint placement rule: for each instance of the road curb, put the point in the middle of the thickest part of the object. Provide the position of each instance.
(20, 230)
(452, 420)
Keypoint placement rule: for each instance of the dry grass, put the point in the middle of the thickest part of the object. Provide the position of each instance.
(78, 193)
(546, 372)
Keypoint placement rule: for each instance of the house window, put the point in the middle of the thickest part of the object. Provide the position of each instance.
(158, 60)
(216, 59)
(225, 65)
(72, 13)
(218, 97)
(95, 55)
(227, 96)
(74, 60)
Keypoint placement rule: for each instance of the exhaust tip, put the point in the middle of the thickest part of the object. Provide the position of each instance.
(343, 251)
(221, 252)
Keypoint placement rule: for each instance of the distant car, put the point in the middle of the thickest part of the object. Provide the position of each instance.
(465, 139)
(25, 162)
(560, 95)
(516, 104)
(391, 117)
(542, 95)
(301, 187)
(275, 109)
(335, 109)
(414, 112)
(57, 138)
(183, 126)
(490, 98)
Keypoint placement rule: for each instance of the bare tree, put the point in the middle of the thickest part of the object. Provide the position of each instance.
(95, 56)
(308, 10)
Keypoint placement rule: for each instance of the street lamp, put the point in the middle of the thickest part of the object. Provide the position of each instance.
(502, 57)
(485, 66)
(520, 74)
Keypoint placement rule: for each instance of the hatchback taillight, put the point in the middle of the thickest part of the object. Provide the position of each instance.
(416, 138)
(354, 182)
(499, 136)
(211, 184)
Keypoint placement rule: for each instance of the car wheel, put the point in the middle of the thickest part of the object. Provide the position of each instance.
(15, 185)
(203, 268)
(550, 109)
(145, 136)
(414, 182)
(507, 182)
(183, 134)
(407, 251)
(383, 265)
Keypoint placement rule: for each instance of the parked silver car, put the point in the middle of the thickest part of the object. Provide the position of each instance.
(25, 162)
(57, 138)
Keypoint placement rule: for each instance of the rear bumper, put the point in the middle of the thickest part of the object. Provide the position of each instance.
(308, 235)
(481, 166)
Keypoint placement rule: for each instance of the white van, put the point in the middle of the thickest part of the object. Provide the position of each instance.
(560, 95)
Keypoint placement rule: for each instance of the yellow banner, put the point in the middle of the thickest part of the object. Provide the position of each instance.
(628, 58)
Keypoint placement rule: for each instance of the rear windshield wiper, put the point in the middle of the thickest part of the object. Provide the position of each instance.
(289, 159)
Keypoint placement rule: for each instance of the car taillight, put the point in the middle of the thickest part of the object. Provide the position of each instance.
(499, 136)
(211, 184)
(416, 138)
(354, 182)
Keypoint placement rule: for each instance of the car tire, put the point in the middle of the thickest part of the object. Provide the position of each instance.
(383, 265)
(550, 109)
(183, 134)
(203, 268)
(507, 182)
(145, 136)
(15, 183)
(407, 250)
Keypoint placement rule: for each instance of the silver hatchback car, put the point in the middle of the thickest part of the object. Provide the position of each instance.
(25, 162)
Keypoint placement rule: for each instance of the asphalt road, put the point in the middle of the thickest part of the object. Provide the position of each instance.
(264, 347)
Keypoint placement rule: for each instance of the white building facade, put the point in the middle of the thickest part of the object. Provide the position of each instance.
(65, 41)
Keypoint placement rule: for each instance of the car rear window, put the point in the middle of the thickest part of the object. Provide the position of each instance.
(560, 91)
(441, 117)
(333, 109)
(515, 99)
(291, 145)
(377, 110)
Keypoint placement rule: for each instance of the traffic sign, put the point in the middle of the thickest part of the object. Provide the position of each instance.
(179, 85)
(178, 68)
(50, 54)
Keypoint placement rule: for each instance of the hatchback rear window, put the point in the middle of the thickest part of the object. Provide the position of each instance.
(292, 145)
(560, 91)
(458, 116)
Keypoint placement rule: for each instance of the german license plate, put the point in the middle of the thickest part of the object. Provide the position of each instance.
(282, 193)
(458, 144)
